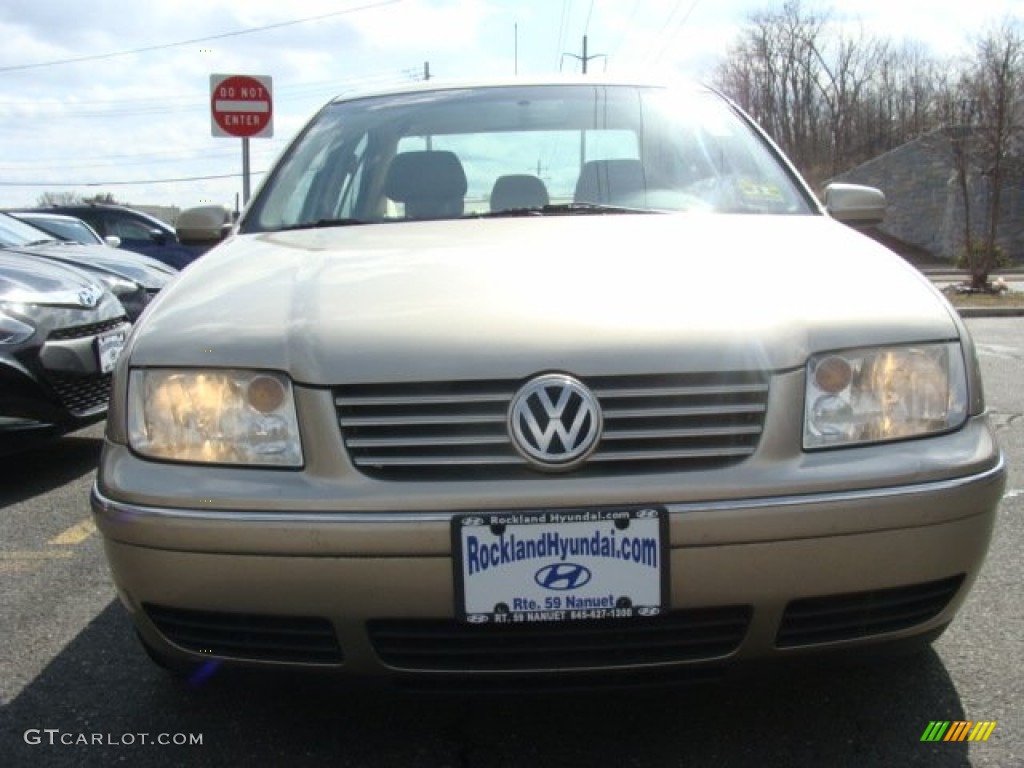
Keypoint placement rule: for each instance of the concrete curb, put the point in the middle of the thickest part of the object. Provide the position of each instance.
(990, 311)
(940, 276)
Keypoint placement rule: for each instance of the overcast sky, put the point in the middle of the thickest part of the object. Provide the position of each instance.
(114, 95)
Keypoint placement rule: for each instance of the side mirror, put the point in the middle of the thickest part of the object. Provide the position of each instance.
(204, 225)
(855, 205)
(113, 241)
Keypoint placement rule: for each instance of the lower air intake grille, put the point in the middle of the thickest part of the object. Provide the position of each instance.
(294, 639)
(81, 394)
(444, 645)
(862, 614)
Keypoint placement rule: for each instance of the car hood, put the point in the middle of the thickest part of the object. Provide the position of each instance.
(45, 283)
(507, 298)
(147, 272)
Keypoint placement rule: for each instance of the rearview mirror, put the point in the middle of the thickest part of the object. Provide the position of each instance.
(204, 224)
(855, 205)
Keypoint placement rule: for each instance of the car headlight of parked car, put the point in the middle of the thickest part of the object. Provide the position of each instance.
(878, 394)
(214, 416)
(118, 286)
(14, 331)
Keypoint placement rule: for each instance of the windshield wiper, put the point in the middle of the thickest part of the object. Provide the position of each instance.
(41, 242)
(564, 209)
(324, 223)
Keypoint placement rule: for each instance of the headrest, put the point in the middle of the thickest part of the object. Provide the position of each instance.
(610, 181)
(518, 191)
(423, 175)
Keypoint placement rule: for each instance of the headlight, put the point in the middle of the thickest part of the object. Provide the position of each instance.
(211, 416)
(118, 286)
(13, 331)
(887, 393)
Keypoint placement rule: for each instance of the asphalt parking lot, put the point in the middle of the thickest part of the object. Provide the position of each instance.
(78, 691)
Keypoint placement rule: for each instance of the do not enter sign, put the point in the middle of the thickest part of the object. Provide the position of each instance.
(241, 106)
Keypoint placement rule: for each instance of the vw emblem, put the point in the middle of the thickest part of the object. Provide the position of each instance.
(555, 421)
(562, 576)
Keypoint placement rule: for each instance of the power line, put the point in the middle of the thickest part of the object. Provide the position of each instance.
(121, 183)
(164, 46)
(670, 35)
(562, 29)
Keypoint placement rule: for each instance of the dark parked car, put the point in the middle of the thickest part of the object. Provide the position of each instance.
(61, 332)
(64, 227)
(132, 277)
(137, 231)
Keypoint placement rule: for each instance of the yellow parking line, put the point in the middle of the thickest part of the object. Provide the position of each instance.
(15, 566)
(76, 534)
(34, 554)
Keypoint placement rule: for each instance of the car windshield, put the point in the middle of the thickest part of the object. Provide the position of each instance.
(523, 150)
(66, 229)
(16, 234)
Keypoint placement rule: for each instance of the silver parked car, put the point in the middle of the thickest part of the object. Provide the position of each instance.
(132, 277)
(544, 378)
(66, 228)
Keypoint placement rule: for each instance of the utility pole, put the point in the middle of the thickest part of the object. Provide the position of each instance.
(426, 70)
(585, 57)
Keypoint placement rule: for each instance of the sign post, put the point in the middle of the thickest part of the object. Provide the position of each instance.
(242, 106)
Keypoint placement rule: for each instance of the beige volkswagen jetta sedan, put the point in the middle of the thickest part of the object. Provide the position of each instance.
(501, 382)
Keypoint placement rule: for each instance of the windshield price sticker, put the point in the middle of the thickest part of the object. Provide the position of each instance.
(108, 349)
(557, 565)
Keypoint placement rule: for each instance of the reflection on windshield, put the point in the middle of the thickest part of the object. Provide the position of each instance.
(548, 150)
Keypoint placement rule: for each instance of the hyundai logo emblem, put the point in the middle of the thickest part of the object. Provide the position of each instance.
(90, 297)
(555, 421)
(562, 576)
(478, 618)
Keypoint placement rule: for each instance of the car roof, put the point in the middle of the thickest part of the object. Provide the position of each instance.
(72, 207)
(47, 215)
(440, 84)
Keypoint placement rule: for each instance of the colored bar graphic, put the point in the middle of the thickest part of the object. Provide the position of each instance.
(958, 730)
(982, 731)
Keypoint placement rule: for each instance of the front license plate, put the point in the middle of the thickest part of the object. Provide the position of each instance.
(558, 565)
(108, 348)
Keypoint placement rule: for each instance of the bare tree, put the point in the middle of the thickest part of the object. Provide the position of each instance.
(997, 88)
(773, 72)
(47, 199)
(101, 197)
(831, 95)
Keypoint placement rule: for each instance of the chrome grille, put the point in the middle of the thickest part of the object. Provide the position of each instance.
(651, 423)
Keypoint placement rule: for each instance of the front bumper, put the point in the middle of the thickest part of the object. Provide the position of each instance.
(56, 387)
(372, 594)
